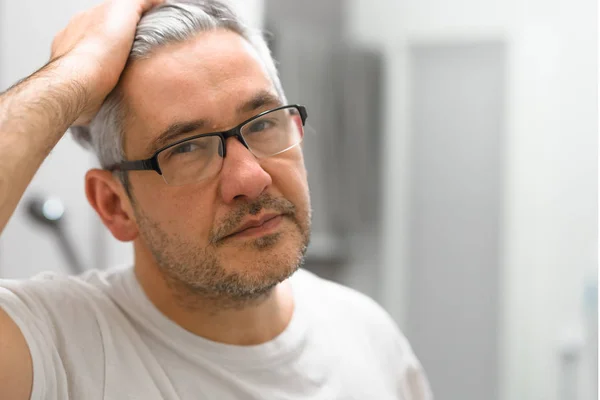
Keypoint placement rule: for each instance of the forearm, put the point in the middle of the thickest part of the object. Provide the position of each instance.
(34, 114)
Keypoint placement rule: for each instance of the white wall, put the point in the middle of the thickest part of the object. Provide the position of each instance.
(550, 203)
(27, 28)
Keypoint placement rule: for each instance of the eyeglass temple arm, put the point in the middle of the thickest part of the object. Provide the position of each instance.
(140, 165)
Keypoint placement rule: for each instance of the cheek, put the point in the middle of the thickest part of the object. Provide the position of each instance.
(289, 177)
(185, 210)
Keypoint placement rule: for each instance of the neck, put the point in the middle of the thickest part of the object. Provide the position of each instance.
(243, 323)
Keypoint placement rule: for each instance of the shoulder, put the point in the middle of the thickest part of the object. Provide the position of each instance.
(49, 292)
(53, 317)
(335, 296)
(56, 306)
(348, 308)
(361, 323)
(49, 284)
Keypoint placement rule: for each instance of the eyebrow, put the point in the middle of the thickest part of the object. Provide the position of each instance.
(261, 99)
(179, 129)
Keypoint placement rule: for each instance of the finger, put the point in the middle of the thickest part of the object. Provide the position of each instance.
(56, 41)
(148, 4)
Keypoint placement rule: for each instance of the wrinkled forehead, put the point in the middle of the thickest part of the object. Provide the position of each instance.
(212, 78)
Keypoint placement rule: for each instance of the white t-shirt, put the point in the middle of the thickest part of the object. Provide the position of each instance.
(97, 336)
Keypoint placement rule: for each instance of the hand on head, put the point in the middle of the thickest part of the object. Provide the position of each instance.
(98, 42)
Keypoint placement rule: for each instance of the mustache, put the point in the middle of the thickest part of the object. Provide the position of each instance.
(234, 219)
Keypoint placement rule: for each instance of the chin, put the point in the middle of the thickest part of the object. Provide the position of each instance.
(274, 255)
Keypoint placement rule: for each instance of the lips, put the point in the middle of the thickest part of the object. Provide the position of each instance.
(254, 223)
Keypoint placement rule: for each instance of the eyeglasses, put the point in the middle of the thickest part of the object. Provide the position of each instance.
(201, 157)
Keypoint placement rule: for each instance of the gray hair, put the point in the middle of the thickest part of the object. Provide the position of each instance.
(172, 22)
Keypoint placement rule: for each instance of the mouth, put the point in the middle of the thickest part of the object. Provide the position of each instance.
(266, 225)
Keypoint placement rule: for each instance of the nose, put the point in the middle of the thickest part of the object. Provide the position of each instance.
(242, 176)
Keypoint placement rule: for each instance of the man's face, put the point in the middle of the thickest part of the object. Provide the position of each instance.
(190, 229)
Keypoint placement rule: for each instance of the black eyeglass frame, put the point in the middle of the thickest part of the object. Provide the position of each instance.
(151, 164)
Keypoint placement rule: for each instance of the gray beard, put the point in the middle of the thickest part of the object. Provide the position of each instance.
(199, 280)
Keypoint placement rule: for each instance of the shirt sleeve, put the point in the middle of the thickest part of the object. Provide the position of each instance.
(27, 311)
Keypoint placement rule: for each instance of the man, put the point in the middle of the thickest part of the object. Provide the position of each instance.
(203, 171)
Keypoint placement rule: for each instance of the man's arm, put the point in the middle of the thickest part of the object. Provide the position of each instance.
(87, 59)
(34, 115)
(16, 369)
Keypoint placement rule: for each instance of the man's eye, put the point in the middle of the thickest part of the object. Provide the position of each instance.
(259, 126)
(186, 148)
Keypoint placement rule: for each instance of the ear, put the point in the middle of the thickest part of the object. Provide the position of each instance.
(108, 197)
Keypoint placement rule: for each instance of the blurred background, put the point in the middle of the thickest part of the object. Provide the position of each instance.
(453, 171)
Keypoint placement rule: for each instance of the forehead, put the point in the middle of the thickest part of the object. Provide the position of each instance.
(207, 77)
